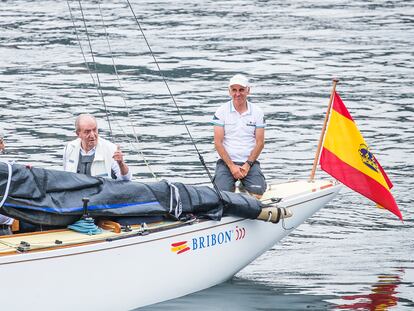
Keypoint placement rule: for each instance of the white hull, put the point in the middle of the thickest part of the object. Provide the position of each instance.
(136, 271)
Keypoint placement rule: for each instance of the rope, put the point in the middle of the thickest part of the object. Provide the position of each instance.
(108, 112)
(123, 98)
(80, 44)
(85, 225)
(176, 106)
(98, 84)
(284, 226)
(9, 178)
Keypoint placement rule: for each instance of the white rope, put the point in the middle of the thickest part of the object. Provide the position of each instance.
(270, 214)
(179, 206)
(9, 178)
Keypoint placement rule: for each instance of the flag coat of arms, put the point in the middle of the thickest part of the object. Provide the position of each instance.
(347, 157)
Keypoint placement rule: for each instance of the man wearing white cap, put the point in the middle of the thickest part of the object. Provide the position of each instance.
(5, 222)
(239, 128)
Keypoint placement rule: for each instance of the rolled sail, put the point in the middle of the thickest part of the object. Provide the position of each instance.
(51, 197)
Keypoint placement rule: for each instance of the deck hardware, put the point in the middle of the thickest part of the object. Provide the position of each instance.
(23, 247)
(126, 228)
(144, 229)
(85, 207)
(144, 226)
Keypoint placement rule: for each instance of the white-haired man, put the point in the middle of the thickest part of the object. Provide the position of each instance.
(92, 155)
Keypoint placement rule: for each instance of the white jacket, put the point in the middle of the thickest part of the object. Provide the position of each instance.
(102, 162)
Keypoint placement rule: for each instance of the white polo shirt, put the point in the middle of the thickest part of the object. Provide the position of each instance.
(239, 129)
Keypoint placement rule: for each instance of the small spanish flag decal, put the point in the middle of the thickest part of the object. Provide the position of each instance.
(179, 247)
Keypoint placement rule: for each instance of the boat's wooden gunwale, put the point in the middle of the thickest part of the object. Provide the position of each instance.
(290, 192)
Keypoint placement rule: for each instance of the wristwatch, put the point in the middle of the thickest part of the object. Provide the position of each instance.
(250, 163)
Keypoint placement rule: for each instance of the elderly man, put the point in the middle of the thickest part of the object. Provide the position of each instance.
(239, 129)
(92, 155)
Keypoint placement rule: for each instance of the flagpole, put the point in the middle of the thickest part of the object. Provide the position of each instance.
(318, 150)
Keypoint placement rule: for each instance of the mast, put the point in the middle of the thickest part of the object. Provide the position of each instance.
(318, 150)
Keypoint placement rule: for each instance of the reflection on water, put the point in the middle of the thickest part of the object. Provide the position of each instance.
(246, 295)
(243, 294)
(383, 295)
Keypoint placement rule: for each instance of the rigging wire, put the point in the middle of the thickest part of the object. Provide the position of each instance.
(123, 96)
(80, 44)
(98, 90)
(175, 103)
(96, 70)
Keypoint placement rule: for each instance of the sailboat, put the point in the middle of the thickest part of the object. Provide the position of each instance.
(126, 266)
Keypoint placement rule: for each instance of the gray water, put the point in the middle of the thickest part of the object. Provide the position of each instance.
(350, 255)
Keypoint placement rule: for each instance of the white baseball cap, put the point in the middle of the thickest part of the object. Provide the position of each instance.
(240, 80)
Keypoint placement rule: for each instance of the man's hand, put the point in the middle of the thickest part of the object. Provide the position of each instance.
(245, 169)
(237, 171)
(118, 156)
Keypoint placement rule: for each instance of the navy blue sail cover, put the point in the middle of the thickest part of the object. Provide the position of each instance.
(51, 197)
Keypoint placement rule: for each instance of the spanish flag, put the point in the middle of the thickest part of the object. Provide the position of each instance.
(347, 157)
